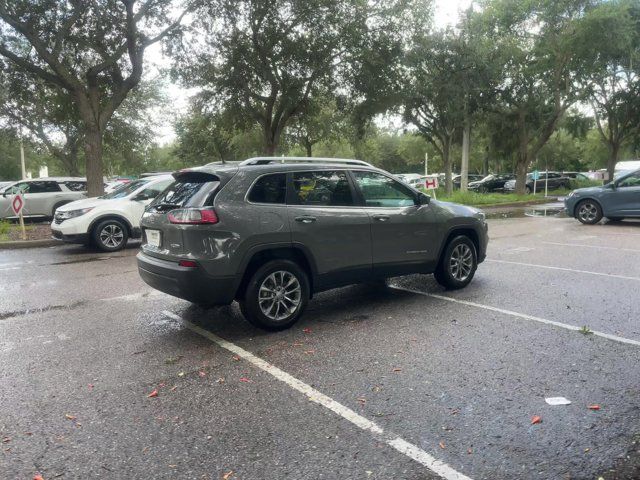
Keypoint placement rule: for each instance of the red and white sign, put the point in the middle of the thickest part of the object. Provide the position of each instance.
(431, 183)
(17, 203)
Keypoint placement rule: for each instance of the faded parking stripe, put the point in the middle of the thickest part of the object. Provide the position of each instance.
(410, 450)
(524, 316)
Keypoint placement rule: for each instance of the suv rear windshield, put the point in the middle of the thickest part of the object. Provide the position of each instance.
(192, 189)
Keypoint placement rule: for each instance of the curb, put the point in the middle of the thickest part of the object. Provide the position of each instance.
(517, 204)
(47, 242)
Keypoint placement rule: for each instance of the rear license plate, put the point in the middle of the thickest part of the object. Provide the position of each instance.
(153, 237)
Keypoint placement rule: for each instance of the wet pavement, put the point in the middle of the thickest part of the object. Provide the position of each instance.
(457, 375)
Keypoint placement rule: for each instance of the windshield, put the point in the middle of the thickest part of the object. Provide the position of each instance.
(125, 190)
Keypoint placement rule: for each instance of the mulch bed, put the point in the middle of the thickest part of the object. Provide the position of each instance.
(35, 231)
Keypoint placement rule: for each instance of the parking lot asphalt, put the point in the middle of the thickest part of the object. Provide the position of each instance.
(406, 381)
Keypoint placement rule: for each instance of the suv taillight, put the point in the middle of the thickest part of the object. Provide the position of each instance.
(193, 216)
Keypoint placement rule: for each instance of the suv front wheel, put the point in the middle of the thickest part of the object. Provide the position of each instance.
(276, 295)
(458, 263)
(110, 235)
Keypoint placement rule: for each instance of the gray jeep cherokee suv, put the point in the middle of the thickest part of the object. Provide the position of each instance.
(269, 232)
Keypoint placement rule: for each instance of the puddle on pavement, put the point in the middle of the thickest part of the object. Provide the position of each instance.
(532, 211)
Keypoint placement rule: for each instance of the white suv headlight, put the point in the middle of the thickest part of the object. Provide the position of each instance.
(66, 215)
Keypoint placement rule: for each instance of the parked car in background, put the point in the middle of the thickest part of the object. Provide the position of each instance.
(114, 184)
(42, 196)
(4, 185)
(491, 183)
(555, 181)
(409, 177)
(617, 200)
(473, 177)
(270, 232)
(576, 175)
(108, 221)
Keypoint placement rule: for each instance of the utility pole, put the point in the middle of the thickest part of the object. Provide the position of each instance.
(426, 162)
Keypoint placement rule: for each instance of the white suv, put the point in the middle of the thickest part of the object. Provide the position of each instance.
(108, 221)
(42, 196)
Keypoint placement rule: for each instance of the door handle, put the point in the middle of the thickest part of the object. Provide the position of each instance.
(305, 219)
(381, 218)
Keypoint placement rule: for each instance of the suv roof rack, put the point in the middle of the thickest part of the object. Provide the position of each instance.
(270, 160)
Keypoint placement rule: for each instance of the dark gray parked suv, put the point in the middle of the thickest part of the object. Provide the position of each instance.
(270, 232)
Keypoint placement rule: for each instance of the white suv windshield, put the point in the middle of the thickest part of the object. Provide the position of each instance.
(126, 189)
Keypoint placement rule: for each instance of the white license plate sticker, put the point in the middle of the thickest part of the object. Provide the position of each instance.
(153, 237)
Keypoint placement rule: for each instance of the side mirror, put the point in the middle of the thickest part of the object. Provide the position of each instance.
(423, 199)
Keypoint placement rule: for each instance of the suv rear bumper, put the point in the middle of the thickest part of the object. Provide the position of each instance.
(192, 284)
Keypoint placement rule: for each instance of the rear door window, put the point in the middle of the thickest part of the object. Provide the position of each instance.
(269, 189)
(322, 188)
(43, 187)
(76, 186)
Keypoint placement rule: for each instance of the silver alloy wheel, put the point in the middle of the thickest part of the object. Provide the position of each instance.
(111, 235)
(279, 295)
(461, 262)
(588, 212)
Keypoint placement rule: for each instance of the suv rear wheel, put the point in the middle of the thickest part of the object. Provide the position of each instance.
(110, 235)
(276, 295)
(458, 263)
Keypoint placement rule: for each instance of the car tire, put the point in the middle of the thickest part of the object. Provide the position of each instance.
(527, 190)
(276, 285)
(458, 263)
(110, 235)
(588, 212)
(483, 189)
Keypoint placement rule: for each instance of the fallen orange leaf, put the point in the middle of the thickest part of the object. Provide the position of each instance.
(442, 445)
(236, 358)
(70, 417)
(153, 394)
(306, 330)
(227, 475)
(536, 419)
(594, 407)
(38, 477)
(397, 369)
(245, 380)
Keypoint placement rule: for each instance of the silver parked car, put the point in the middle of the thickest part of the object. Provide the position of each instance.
(43, 195)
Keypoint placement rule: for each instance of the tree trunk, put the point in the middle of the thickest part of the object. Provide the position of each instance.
(464, 164)
(308, 147)
(521, 172)
(93, 159)
(614, 152)
(446, 163)
(522, 161)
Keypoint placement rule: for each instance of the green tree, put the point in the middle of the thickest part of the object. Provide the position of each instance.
(266, 59)
(543, 65)
(614, 86)
(92, 51)
(431, 98)
(319, 120)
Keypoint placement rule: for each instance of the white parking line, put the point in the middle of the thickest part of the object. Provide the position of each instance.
(524, 316)
(402, 446)
(599, 247)
(611, 275)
